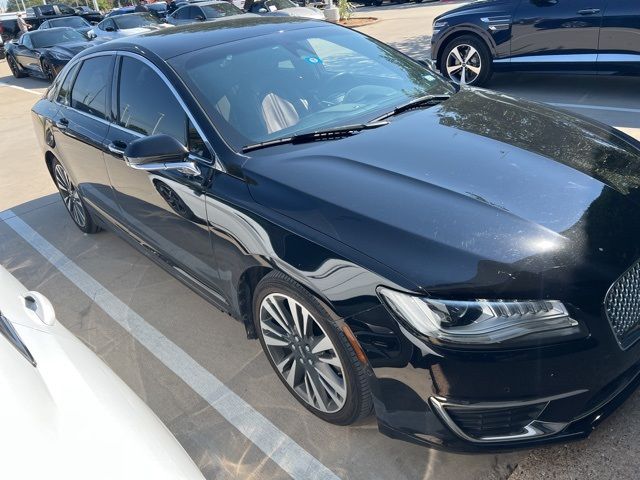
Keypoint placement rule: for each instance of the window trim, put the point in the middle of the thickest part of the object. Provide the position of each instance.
(214, 161)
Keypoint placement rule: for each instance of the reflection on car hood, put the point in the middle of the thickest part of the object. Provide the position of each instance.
(303, 12)
(69, 49)
(479, 179)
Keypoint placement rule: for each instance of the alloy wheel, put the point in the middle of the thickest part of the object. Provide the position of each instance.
(304, 355)
(12, 65)
(70, 196)
(48, 71)
(464, 64)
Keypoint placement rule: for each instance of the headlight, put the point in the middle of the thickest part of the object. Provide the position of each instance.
(439, 25)
(482, 322)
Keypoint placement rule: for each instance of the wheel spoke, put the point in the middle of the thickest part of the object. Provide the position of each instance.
(451, 69)
(291, 376)
(470, 53)
(275, 342)
(475, 70)
(276, 313)
(317, 392)
(456, 53)
(293, 309)
(333, 360)
(323, 345)
(463, 76)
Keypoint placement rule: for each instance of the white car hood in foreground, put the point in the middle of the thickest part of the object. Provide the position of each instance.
(304, 12)
(70, 417)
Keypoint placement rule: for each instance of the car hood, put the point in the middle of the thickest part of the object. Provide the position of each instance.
(478, 192)
(69, 49)
(71, 411)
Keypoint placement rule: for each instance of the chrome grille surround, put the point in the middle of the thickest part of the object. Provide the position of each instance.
(622, 307)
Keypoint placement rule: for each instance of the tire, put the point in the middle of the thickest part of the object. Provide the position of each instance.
(72, 200)
(47, 70)
(475, 68)
(320, 355)
(15, 68)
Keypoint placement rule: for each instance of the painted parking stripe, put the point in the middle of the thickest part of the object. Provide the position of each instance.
(4, 84)
(278, 446)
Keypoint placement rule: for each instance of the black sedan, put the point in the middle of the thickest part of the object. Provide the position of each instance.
(43, 53)
(469, 43)
(79, 24)
(463, 263)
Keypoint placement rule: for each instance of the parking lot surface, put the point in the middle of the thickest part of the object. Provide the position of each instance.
(193, 364)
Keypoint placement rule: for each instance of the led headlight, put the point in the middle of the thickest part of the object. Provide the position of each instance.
(481, 322)
(439, 25)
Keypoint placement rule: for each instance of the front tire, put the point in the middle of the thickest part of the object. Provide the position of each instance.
(72, 200)
(15, 68)
(308, 352)
(48, 71)
(466, 60)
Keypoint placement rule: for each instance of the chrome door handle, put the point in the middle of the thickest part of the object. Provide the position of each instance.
(62, 123)
(589, 11)
(113, 148)
(188, 168)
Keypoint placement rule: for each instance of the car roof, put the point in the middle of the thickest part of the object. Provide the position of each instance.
(171, 42)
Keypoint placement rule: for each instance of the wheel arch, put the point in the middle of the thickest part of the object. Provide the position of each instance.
(461, 31)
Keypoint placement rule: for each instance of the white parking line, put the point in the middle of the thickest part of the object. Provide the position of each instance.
(4, 84)
(290, 456)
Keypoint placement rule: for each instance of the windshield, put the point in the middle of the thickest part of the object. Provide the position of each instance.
(135, 20)
(301, 81)
(48, 38)
(220, 10)
(280, 4)
(73, 22)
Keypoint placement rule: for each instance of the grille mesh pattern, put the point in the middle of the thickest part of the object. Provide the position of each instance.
(623, 306)
(478, 423)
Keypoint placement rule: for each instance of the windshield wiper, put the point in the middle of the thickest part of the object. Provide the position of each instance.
(426, 101)
(329, 134)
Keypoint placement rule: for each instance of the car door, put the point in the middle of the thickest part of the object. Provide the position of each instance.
(619, 46)
(557, 34)
(25, 55)
(80, 128)
(164, 210)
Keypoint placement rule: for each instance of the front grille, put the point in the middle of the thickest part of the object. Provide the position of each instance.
(622, 306)
(494, 422)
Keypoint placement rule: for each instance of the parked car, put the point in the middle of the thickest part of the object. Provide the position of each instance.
(158, 9)
(453, 255)
(126, 25)
(43, 53)
(8, 27)
(37, 14)
(284, 7)
(89, 14)
(202, 11)
(120, 11)
(469, 43)
(79, 24)
(58, 395)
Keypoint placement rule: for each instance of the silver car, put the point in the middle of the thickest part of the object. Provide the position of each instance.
(129, 24)
(203, 11)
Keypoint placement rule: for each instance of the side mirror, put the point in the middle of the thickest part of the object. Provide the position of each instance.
(199, 18)
(263, 10)
(159, 152)
(109, 29)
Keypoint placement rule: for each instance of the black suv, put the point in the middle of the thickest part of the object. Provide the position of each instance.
(588, 36)
(38, 14)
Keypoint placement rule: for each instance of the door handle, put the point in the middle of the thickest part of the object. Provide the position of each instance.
(589, 11)
(188, 168)
(62, 123)
(117, 148)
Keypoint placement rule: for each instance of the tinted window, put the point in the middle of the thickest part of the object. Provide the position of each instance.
(65, 89)
(66, 10)
(145, 103)
(89, 92)
(182, 13)
(48, 38)
(218, 10)
(135, 20)
(73, 22)
(26, 41)
(106, 24)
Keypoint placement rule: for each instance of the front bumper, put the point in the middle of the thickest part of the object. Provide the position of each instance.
(471, 401)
